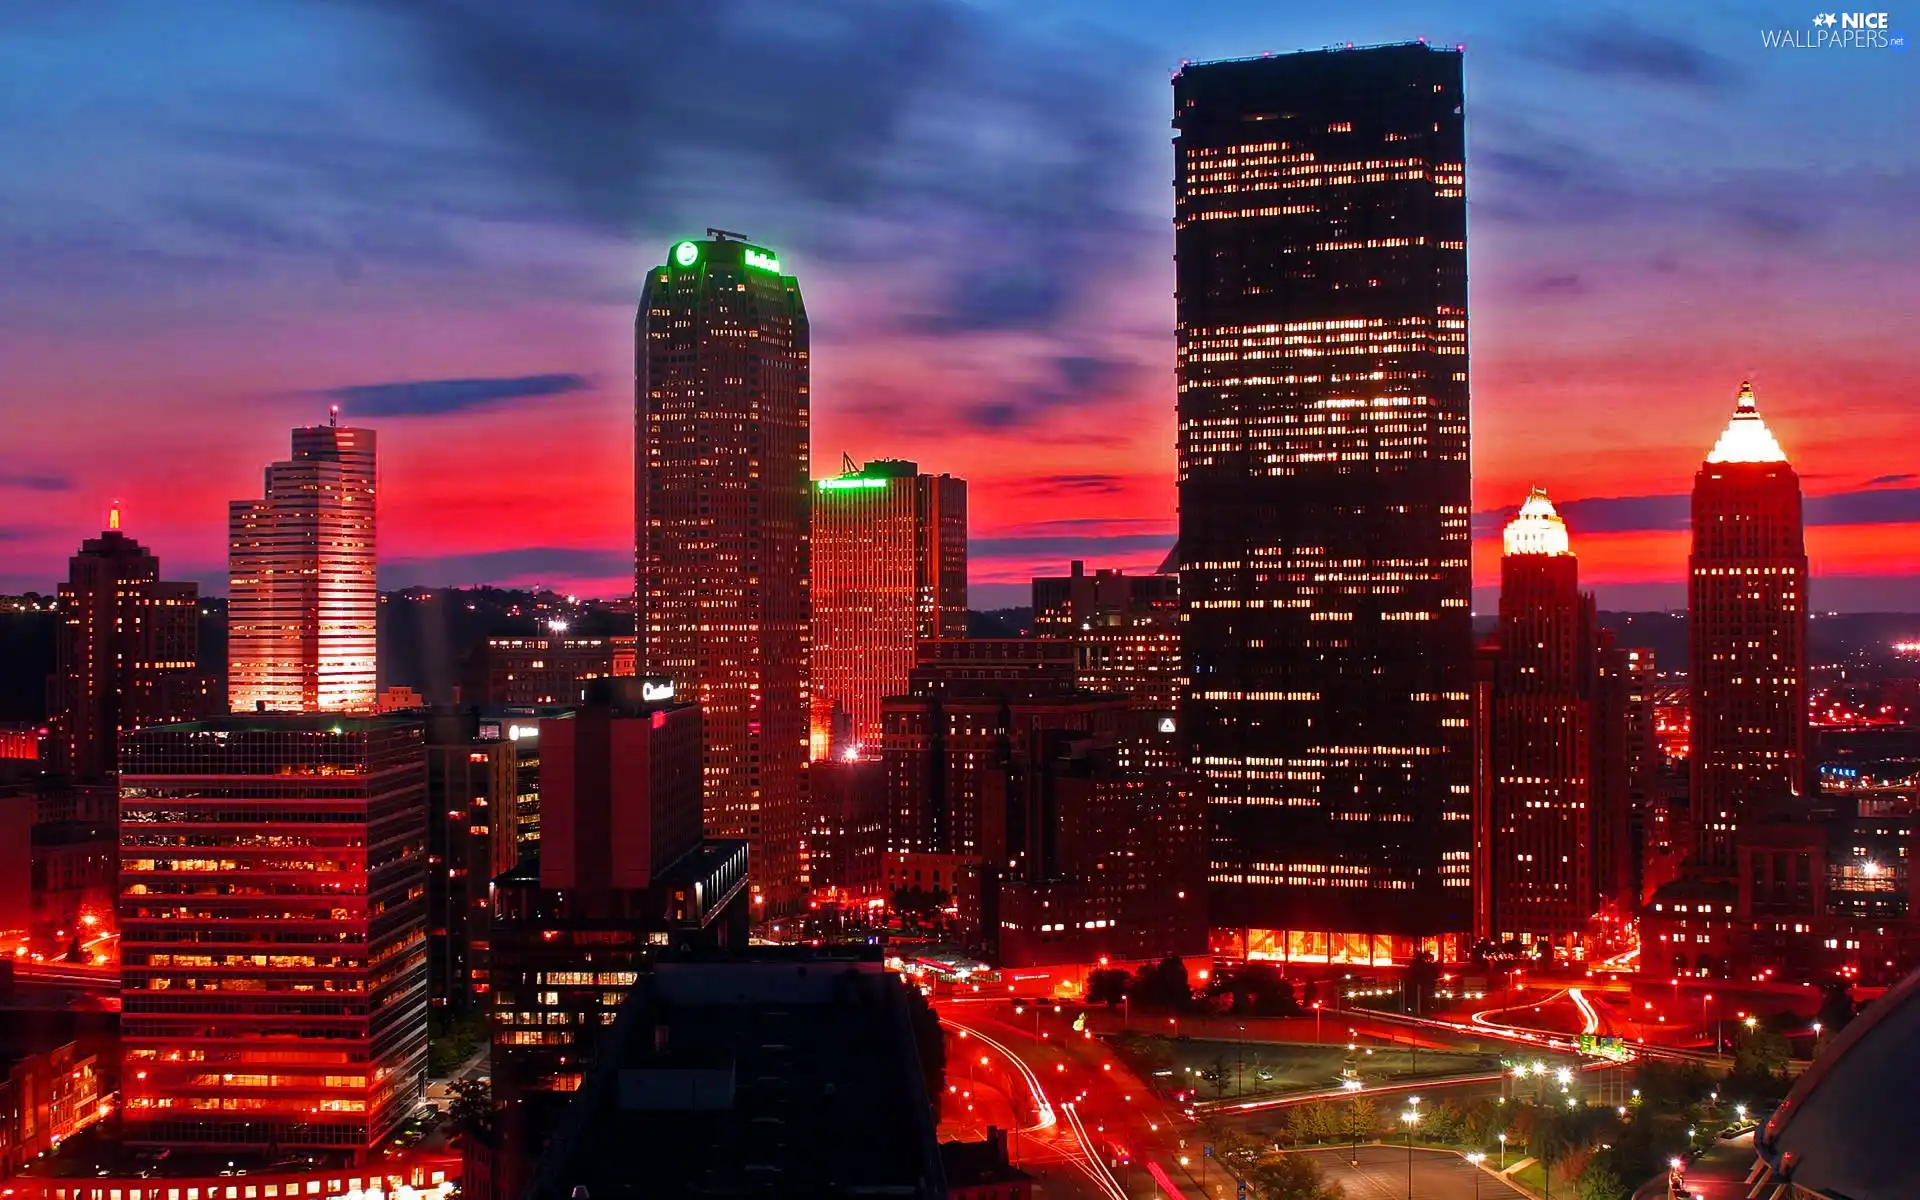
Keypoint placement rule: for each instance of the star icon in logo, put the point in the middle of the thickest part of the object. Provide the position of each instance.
(1827, 19)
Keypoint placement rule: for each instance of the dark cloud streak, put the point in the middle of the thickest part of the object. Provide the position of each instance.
(440, 397)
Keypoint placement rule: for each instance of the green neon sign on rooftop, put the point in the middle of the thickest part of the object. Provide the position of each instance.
(685, 254)
(843, 485)
(760, 260)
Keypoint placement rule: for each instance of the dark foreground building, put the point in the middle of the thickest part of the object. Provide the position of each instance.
(623, 875)
(1320, 232)
(773, 1075)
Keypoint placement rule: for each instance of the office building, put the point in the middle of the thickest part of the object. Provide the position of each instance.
(273, 874)
(889, 561)
(126, 654)
(1012, 791)
(1125, 631)
(1106, 862)
(847, 828)
(774, 1073)
(303, 599)
(1543, 873)
(722, 492)
(473, 786)
(513, 671)
(1321, 275)
(623, 871)
(1747, 635)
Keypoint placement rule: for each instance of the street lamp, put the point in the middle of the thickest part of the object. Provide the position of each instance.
(1412, 1118)
(1503, 1152)
(1476, 1158)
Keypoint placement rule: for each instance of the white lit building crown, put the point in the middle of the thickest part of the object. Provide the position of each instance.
(1746, 439)
(1538, 529)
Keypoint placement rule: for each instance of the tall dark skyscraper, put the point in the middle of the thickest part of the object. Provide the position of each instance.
(1747, 627)
(126, 654)
(1320, 230)
(721, 486)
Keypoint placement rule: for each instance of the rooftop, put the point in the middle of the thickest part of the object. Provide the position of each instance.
(1746, 439)
(1538, 529)
(788, 1073)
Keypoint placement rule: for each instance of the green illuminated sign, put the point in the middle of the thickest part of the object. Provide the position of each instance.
(686, 254)
(761, 259)
(841, 485)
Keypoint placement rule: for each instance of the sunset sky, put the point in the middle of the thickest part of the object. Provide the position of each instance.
(218, 218)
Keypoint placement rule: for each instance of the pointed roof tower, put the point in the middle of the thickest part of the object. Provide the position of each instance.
(1746, 439)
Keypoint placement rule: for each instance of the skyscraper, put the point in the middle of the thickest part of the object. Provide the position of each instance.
(1747, 631)
(301, 569)
(889, 560)
(126, 654)
(273, 931)
(1320, 233)
(721, 486)
(1543, 869)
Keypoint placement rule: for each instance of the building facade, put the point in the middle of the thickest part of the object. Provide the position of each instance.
(472, 838)
(126, 655)
(273, 875)
(301, 567)
(1320, 236)
(1543, 880)
(623, 874)
(539, 671)
(1747, 635)
(623, 869)
(722, 489)
(889, 562)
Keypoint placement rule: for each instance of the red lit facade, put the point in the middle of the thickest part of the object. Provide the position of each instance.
(273, 931)
(889, 563)
(125, 655)
(722, 492)
(1747, 629)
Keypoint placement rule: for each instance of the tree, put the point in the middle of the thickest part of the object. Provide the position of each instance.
(472, 1107)
(1836, 1009)
(1362, 1119)
(1106, 985)
(1442, 1123)
(1759, 1053)
(1600, 1181)
(1291, 1177)
(1164, 984)
(1423, 974)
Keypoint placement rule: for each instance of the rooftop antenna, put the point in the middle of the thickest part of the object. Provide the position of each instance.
(725, 235)
(333, 417)
(113, 515)
(847, 466)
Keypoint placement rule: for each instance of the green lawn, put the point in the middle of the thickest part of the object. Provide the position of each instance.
(1269, 1068)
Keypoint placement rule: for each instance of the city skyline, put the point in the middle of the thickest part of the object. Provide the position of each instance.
(1620, 289)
